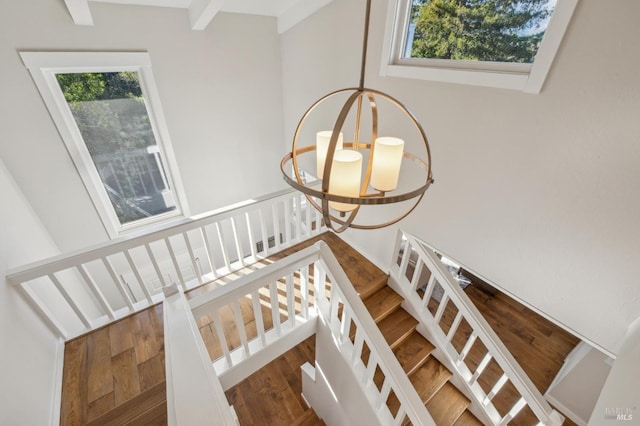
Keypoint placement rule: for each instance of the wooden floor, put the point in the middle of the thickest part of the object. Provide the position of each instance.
(273, 395)
(113, 365)
(121, 363)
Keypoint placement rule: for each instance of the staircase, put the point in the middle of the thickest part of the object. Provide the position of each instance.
(447, 405)
(122, 283)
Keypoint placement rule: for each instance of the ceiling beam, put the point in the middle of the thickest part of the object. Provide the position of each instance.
(201, 12)
(298, 11)
(79, 11)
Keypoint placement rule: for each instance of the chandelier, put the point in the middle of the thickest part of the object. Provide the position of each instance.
(346, 185)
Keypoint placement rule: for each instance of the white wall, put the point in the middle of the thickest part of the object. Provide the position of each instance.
(220, 90)
(335, 395)
(621, 392)
(536, 192)
(28, 358)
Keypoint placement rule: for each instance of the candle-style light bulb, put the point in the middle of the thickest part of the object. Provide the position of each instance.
(322, 145)
(346, 174)
(387, 158)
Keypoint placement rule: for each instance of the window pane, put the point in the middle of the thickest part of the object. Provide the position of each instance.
(477, 30)
(112, 117)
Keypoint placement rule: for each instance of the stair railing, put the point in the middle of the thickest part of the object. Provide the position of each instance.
(352, 327)
(81, 291)
(458, 330)
(194, 393)
(288, 300)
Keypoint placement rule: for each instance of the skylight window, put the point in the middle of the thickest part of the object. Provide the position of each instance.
(496, 43)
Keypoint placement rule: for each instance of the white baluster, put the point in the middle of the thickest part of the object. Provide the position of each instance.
(257, 313)
(221, 338)
(275, 307)
(235, 306)
(209, 253)
(114, 277)
(236, 240)
(194, 264)
(154, 262)
(174, 260)
(252, 242)
(223, 247)
(136, 273)
(74, 306)
(263, 231)
(513, 412)
(102, 301)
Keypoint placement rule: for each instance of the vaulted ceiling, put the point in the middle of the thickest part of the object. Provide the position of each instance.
(201, 12)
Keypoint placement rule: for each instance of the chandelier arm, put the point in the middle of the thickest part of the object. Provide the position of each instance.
(356, 137)
(370, 146)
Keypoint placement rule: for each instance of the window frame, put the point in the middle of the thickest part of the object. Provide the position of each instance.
(43, 67)
(528, 78)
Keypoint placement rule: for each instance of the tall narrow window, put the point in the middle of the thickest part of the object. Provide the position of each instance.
(110, 123)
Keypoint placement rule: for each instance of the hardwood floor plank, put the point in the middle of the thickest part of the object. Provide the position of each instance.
(100, 380)
(125, 376)
(100, 406)
(144, 337)
(151, 372)
(73, 410)
(271, 396)
(120, 335)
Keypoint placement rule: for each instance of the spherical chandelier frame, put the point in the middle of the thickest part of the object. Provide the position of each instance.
(365, 198)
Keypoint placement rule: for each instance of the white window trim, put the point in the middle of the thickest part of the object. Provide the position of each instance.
(44, 66)
(528, 78)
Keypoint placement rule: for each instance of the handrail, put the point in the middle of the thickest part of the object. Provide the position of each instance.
(194, 393)
(481, 330)
(211, 245)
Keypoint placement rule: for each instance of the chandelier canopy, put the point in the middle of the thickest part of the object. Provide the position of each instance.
(345, 185)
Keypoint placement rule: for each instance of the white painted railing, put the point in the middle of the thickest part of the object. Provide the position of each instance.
(194, 393)
(306, 290)
(75, 293)
(458, 329)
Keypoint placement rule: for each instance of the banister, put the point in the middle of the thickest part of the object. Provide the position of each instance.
(484, 332)
(238, 288)
(194, 393)
(132, 240)
(404, 390)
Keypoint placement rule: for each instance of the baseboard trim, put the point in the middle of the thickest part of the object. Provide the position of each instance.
(56, 401)
(565, 411)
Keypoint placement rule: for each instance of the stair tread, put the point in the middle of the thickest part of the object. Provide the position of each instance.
(144, 408)
(413, 352)
(372, 286)
(397, 326)
(382, 303)
(447, 405)
(467, 419)
(429, 378)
